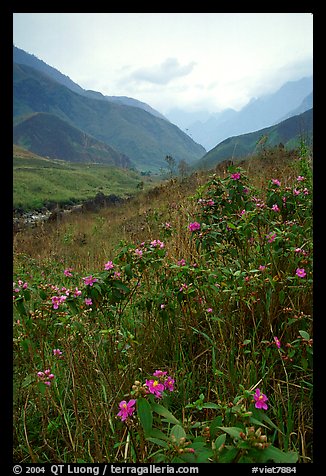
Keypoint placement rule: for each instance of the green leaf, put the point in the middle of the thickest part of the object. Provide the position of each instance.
(145, 415)
(164, 412)
(304, 335)
(157, 441)
(178, 432)
(220, 440)
(274, 454)
(233, 431)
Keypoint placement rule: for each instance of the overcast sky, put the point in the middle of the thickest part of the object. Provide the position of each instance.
(188, 60)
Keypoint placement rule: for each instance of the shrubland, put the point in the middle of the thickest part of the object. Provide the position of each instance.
(174, 328)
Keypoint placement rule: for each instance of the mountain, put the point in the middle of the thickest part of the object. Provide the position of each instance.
(288, 132)
(143, 137)
(22, 57)
(47, 135)
(259, 113)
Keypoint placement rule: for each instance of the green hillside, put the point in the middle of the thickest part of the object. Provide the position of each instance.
(48, 135)
(288, 132)
(38, 181)
(144, 138)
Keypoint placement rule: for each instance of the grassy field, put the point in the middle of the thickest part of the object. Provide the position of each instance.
(174, 328)
(37, 181)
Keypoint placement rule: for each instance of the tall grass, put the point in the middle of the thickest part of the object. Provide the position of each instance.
(208, 280)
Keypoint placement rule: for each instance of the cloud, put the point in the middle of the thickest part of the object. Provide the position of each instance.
(162, 73)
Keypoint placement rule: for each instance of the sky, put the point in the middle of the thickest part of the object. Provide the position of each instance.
(190, 61)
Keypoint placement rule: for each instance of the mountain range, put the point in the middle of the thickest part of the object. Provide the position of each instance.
(293, 98)
(142, 137)
(56, 118)
(287, 133)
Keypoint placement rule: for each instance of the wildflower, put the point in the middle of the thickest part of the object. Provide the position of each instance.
(296, 191)
(209, 309)
(236, 176)
(162, 306)
(182, 262)
(57, 353)
(271, 237)
(301, 272)
(88, 302)
(57, 300)
(183, 287)
(46, 377)
(77, 292)
(159, 373)
(109, 265)
(126, 409)
(300, 178)
(275, 208)
(262, 267)
(155, 387)
(194, 226)
(67, 272)
(260, 399)
(156, 243)
(89, 280)
(169, 384)
(277, 342)
(276, 182)
(138, 252)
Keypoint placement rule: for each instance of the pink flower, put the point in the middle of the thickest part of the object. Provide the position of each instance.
(126, 409)
(181, 262)
(77, 292)
(138, 252)
(209, 309)
(109, 265)
(277, 342)
(301, 272)
(57, 353)
(169, 384)
(88, 302)
(236, 176)
(276, 182)
(271, 237)
(260, 399)
(300, 178)
(156, 243)
(262, 267)
(275, 208)
(57, 300)
(159, 373)
(155, 387)
(67, 272)
(194, 226)
(89, 280)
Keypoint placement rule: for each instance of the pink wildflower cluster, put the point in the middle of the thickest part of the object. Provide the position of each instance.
(164, 382)
(109, 265)
(89, 280)
(67, 272)
(19, 286)
(157, 244)
(57, 300)
(236, 176)
(46, 377)
(301, 273)
(194, 226)
(58, 353)
(155, 386)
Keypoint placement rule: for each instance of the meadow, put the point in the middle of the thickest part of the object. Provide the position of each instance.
(174, 328)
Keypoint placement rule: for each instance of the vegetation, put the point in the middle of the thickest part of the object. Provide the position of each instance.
(289, 133)
(38, 181)
(144, 138)
(176, 328)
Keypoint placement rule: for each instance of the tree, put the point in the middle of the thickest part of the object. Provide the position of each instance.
(171, 164)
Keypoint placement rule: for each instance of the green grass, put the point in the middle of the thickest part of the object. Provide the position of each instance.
(37, 180)
(204, 307)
